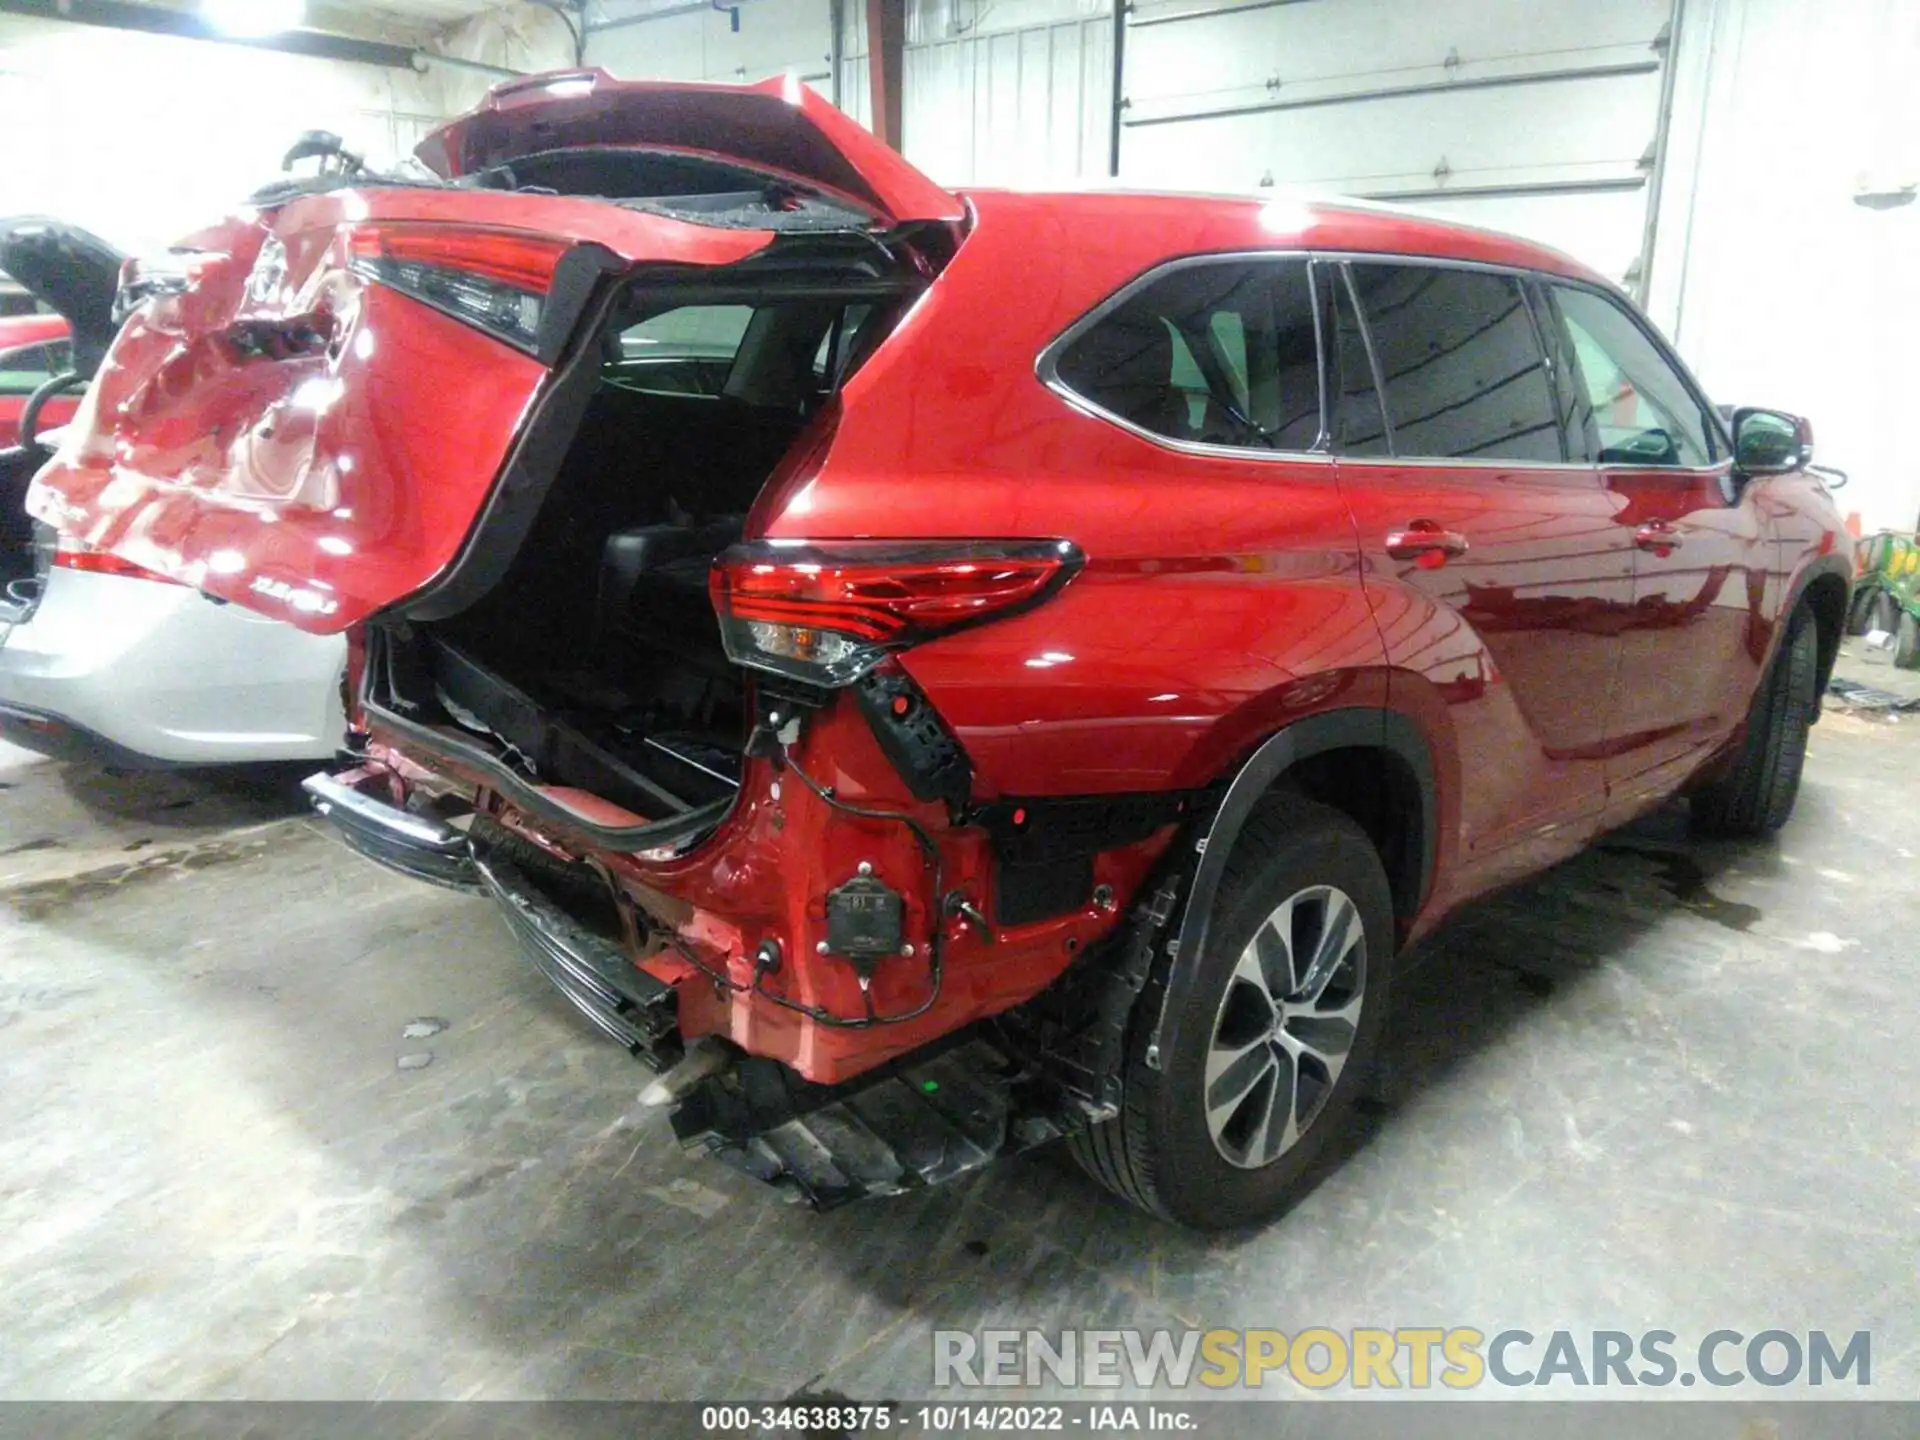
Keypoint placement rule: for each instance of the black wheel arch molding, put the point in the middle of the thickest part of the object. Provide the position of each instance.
(1838, 566)
(1354, 728)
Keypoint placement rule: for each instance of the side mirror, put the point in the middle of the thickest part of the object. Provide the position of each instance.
(1770, 442)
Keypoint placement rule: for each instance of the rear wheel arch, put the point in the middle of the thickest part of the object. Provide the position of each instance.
(1325, 758)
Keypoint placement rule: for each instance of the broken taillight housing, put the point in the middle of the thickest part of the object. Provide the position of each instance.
(494, 280)
(828, 611)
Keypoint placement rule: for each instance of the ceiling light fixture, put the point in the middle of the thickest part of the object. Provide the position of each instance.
(253, 19)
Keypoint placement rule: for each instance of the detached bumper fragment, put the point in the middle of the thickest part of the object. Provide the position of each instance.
(418, 846)
(623, 1002)
(921, 1121)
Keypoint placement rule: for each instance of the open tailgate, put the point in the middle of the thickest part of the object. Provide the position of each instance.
(313, 422)
(780, 128)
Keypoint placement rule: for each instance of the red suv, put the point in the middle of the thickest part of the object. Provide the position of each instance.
(935, 672)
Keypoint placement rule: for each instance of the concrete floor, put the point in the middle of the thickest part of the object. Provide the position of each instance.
(1668, 1085)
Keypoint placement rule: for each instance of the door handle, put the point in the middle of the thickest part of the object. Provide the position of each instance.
(1426, 543)
(1657, 536)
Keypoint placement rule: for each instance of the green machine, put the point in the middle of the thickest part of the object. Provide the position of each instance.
(1886, 596)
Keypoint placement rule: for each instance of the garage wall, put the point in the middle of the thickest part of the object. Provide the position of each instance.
(142, 138)
(1779, 288)
(1535, 115)
(998, 92)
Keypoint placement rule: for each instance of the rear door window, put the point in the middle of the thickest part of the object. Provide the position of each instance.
(1461, 363)
(1638, 409)
(1216, 353)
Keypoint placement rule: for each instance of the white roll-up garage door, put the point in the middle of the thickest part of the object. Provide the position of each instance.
(1535, 116)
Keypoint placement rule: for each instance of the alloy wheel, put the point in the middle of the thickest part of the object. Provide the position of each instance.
(1286, 1024)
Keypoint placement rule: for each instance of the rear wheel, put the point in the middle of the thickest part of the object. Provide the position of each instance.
(1906, 644)
(1264, 1043)
(1756, 796)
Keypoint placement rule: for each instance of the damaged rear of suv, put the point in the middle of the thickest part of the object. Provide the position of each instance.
(529, 449)
(930, 674)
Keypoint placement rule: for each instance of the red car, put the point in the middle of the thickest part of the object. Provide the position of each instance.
(938, 671)
(33, 349)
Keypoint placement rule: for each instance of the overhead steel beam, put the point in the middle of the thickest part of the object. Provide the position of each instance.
(422, 59)
(187, 25)
(1401, 92)
(886, 67)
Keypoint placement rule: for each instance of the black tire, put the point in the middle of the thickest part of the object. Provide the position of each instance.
(1756, 795)
(1906, 643)
(1160, 1152)
(1860, 612)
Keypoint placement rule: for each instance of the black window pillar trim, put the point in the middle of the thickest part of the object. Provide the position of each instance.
(1365, 325)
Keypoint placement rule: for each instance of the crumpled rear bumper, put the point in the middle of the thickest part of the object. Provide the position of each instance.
(622, 1001)
(418, 846)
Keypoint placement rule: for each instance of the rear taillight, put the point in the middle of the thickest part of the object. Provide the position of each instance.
(828, 611)
(68, 554)
(495, 280)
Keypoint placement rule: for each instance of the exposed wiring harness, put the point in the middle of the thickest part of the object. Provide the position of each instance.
(761, 970)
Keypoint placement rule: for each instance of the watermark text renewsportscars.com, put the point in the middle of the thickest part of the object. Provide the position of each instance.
(1411, 1358)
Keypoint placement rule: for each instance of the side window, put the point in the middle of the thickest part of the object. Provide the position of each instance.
(26, 369)
(1641, 411)
(1359, 427)
(1460, 357)
(684, 351)
(692, 332)
(1220, 353)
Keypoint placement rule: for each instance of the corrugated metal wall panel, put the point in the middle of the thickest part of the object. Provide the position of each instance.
(1550, 105)
(1013, 92)
(1021, 107)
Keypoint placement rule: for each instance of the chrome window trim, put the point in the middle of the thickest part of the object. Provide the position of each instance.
(1421, 462)
(1047, 365)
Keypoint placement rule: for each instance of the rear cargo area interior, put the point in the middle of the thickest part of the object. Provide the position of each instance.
(596, 662)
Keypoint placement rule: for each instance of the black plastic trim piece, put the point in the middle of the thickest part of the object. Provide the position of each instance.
(507, 518)
(1355, 728)
(419, 847)
(575, 279)
(1049, 828)
(625, 1003)
(1024, 894)
(913, 737)
(1835, 564)
(526, 797)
